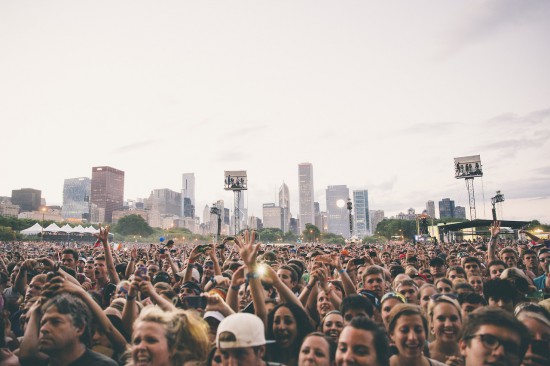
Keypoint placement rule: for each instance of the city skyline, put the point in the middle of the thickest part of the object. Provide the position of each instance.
(375, 95)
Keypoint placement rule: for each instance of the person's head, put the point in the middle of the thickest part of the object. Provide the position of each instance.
(437, 267)
(409, 290)
(316, 350)
(89, 269)
(544, 260)
(495, 268)
(444, 286)
(408, 329)
(332, 324)
(470, 302)
(461, 286)
(521, 281)
(189, 288)
(472, 266)
(169, 337)
(530, 260)
(509, 256)
(501, 293)
(64, 325)
(324, 305)
(445, 318)
(288, 276)
(241, 340)
(539, 328)
(385, 257)
(35, 286)
(100, 267)
(373, 280)
(355, 305)
(477, 283)
(493, 336)
(69, 258)
(452, 260)
(388, 302)
(456, 272)
(363, 343)
(426, 292)
(122, 289)
(288, 324)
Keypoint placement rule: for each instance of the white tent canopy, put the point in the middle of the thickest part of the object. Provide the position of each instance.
(90, 229)
(33, 230)
(52, 228)
(66, 229)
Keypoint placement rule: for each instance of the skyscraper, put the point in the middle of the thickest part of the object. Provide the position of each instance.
(188, 195)
(284, 203)
(27, 199)
(165, 201)
(446, 208)
(305, 189)
(460, 212)
(361, 210)
(272, 216)
(430, 208)
(76, 197)
(338, 218)
(376, 216)
(107, 190)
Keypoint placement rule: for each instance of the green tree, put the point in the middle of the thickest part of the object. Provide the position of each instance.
(392, 227)
(311, 233)
(330, 238)
(133, 225)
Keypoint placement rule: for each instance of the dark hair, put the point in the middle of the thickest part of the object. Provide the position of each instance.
(499, 318)
(500, 289)
(356, 302)
(293, 274)
(77, 310)
(303, 327)
(464, 286)
(396, 270)
(380, 338)
(471, 298)
(71, 252)
(528, 251)
(472, 260)
(457, 269)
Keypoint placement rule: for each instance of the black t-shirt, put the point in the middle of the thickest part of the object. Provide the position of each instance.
(88, 358)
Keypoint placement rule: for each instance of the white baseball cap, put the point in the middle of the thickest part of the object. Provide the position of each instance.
(240, 330)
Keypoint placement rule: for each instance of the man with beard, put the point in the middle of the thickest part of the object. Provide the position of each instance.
(64, 334)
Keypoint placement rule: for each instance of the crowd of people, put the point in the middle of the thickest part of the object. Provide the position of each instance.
(241, 302)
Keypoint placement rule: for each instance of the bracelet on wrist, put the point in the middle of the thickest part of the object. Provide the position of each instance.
(191, 260)
(309, 286)
(252, 275)
(132, 297)
(342, 270)
(235, 287)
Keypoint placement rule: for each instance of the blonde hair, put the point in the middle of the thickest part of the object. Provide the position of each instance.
(186, 333)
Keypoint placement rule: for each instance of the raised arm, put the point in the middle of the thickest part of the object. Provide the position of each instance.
(103, 236)
(249, 251)
(491, 248)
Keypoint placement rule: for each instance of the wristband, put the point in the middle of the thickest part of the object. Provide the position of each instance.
(342, 270)
(128, 297)
(310, 286)
(191, 260)
(235, 287)
(252, 275)
(213, 280)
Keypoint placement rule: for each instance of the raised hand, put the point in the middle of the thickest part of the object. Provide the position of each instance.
(103, 234)
(247, 249)
(495, 229)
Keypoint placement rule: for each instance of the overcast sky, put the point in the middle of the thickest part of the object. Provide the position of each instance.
(379, 95)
